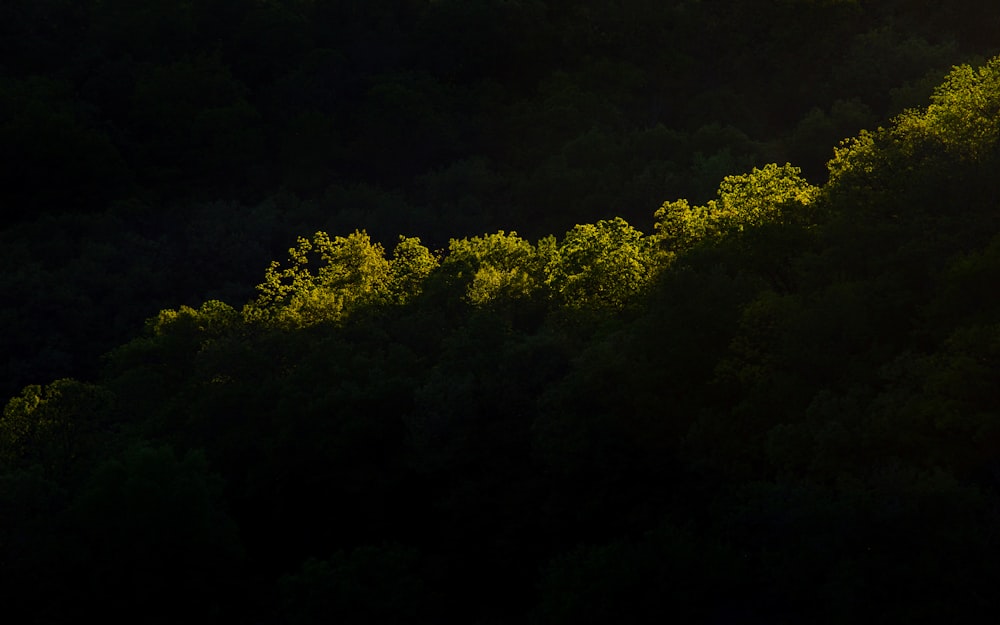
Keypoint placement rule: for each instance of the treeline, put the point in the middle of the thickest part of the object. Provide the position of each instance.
(777, 405)
(163, 152)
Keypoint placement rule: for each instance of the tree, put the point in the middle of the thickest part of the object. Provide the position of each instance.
(494, 266)
(349, 272)
(409, 266)
(743, 202)
(59, 428)
(964, 114)
(603, 265)
(680, 226)
(960, 126)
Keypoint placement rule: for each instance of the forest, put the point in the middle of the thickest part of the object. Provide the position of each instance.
(499, 311)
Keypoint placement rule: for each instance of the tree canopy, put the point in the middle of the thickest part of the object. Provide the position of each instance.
(774, 402)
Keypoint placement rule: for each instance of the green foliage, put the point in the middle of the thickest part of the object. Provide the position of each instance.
(963, 117)
(779, 407)
(409, 266)
(58, 428)
(324, 281)
(958, 126)
(179, 336)
(602, 265)
(495, 266)
(210, 320)
(680, 226)
(822, 128)
(763, 196)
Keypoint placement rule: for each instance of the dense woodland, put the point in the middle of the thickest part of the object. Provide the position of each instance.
(500, 311)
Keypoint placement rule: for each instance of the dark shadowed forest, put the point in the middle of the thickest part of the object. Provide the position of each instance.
(499, 311)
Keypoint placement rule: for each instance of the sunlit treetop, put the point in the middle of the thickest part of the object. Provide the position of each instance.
(325, 278)
(961, 123)
(495, 265)
(742, 201)
(602, 265)
(964, 113)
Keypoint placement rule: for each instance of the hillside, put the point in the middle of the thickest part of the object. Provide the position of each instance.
(777, 403)
(162, 153)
